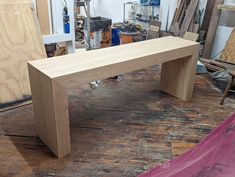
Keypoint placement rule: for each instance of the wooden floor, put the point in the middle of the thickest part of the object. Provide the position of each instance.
(120, 129)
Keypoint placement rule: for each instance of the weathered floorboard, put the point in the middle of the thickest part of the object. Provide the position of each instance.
(120, 129)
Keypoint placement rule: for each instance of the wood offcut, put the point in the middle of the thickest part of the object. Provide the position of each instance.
(43, 16)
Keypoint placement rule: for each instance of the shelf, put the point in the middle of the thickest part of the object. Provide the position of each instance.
(54, 38)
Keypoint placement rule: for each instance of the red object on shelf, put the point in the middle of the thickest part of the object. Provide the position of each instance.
(213, 157)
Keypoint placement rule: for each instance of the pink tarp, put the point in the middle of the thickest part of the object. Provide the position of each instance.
(213, 157)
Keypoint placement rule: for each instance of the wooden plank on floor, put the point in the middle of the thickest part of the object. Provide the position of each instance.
(21, 41)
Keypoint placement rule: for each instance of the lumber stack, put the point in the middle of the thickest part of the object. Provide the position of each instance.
(185, 18)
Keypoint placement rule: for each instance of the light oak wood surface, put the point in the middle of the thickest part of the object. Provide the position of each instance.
(50, 79)
(43, 16)
(20, 42)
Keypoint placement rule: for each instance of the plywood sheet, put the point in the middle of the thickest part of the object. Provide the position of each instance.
(21, 41)
(228, 54)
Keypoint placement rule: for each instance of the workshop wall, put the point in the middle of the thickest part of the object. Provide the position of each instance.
(114, 9)
(110, 9)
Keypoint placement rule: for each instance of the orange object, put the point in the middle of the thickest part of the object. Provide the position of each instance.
(126, 38)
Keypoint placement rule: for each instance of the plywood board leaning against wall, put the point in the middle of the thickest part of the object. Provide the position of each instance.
(228, 55)
(21, 41)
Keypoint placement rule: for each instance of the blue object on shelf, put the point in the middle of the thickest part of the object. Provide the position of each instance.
(66, 20)
(150, 2)
(66, 28)
(115, 37)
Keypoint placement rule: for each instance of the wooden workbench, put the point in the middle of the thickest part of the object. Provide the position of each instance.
(50, 79)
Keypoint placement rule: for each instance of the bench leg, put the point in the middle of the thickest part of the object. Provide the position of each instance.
(177, 77)
(50, 105)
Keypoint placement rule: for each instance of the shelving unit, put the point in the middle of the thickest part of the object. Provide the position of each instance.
(57, 35)
(141, 13)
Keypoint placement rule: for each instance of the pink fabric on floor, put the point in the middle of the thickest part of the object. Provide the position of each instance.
(213, 157)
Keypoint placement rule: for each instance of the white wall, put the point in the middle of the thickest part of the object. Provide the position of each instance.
(167, 11)
(108, 8)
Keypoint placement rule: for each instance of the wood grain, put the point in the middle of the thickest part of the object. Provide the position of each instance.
(191, 36)
(177, 76)
(228, 54)
(50, 78)
(43, 16)
(20, 42)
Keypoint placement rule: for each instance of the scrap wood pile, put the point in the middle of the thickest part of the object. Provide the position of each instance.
(186, 18)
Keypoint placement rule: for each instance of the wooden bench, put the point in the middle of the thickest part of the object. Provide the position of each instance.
(50, 79)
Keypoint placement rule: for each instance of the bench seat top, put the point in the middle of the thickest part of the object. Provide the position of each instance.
(78, 62)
